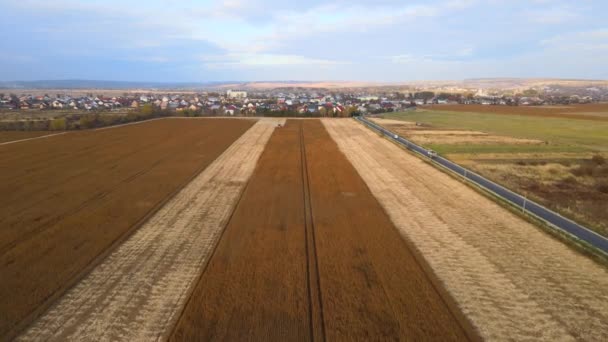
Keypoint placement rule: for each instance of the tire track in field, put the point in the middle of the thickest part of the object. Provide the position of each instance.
(137, 292)
(512, 280)
(315, 299)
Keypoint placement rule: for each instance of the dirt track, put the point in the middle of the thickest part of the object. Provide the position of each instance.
(511, 279)
(67, 199)
(136, 293)
(308, 253)
(10, 137)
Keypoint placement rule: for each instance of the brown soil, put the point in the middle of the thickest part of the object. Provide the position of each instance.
(597, 112)
(255, 285)
(6, 136)
(514, 281)
(139, 290)
(310, 254)
(68, 198)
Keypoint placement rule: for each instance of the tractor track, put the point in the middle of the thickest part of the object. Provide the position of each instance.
(315, 299)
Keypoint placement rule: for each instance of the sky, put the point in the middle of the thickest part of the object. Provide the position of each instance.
(311, 40)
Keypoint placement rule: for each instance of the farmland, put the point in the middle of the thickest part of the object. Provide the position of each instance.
(274, 229)
(67, 199)
(298, 260)
(594, 112)
(557, 161)
(150, 274)
(510, 278)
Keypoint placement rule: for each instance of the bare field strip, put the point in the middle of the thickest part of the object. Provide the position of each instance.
(69, 198)
(136, 293)
(511, 279)
(301, 259)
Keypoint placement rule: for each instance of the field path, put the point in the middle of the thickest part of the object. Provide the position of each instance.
(512, 280)
(136, 293)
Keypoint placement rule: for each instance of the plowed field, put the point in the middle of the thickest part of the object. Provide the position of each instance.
(309, 253)
(67, 199)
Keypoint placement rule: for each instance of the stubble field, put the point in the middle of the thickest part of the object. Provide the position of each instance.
(67, 199)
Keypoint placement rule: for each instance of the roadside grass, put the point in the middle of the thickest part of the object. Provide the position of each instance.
(503, 148)
(570, 135)
(569, 240)
(559, 173)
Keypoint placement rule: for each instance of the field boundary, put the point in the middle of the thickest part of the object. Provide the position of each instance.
(557, 222)
(26, 139)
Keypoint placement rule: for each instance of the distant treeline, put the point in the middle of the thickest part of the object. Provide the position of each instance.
(80, 121)
(84, 121)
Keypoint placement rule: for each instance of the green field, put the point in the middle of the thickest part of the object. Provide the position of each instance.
(559, 173)
(561, 135)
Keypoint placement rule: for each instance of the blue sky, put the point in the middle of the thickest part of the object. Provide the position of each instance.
(252, 40)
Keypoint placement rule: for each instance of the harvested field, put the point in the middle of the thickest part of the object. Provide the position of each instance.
(68, 198)
(510, 278)
(460, 137)
(596, 111)
(426, 135)
(162, 259)
(371, 284)
(255, 284)
(8, 136)
(298, 259)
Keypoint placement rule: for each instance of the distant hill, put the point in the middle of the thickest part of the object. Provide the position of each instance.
(486, 83)
(97, 84)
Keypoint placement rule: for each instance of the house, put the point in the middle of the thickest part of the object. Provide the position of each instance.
(230, 109)
(234, 94)
(134, 104)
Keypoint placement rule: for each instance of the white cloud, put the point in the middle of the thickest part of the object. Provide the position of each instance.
(556, 15)
(251, 60)
(595, 40)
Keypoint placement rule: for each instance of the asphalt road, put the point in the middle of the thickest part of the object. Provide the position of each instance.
(554, 219)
